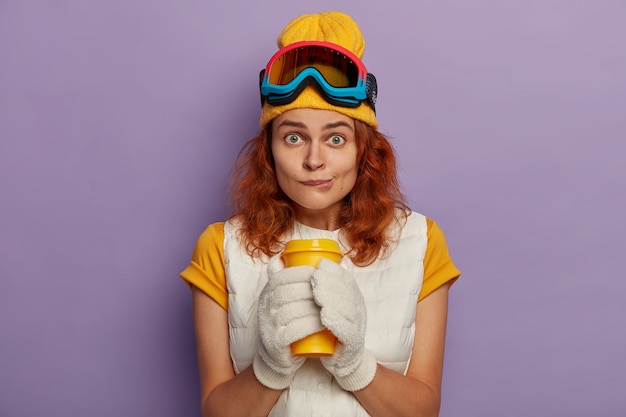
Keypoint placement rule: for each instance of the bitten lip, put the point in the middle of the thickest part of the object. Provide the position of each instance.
(316, 182)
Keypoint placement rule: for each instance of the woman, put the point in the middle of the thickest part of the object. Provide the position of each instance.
(320, 169)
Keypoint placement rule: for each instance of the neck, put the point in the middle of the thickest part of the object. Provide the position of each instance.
(327, 219)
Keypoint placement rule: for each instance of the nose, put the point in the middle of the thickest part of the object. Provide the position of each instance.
(315, 158)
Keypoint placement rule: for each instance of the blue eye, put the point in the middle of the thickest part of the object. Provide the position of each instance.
(293, 138)
(337, 140)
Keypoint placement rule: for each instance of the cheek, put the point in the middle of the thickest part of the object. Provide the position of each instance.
(348, 177)
(349, 169)
(279, 160)
(283, 167)
(351, 180)
(284, 171)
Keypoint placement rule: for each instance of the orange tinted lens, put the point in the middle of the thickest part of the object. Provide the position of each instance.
(337, 69)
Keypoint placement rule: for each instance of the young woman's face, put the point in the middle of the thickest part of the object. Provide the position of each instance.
(315, 155)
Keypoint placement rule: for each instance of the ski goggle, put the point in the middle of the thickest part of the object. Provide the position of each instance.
(338, 74)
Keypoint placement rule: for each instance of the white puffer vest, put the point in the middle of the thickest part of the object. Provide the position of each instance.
(390, 288)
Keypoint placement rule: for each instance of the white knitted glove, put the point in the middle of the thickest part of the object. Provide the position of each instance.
(343, 312)
(286, 313)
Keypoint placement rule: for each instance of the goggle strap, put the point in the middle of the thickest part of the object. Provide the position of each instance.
(371, 90)
(261, 76)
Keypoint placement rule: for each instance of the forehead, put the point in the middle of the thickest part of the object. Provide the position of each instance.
(312, 118)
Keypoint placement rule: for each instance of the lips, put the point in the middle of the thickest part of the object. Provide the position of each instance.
(316, 183)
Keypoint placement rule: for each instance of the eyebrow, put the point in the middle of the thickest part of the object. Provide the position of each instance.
(338, 124)
(327, 126)
(291, 123)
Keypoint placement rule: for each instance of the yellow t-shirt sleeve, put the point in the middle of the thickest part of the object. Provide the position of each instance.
(438, 266)
(206, 270)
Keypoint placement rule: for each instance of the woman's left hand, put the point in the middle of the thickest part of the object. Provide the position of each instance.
(344, 313)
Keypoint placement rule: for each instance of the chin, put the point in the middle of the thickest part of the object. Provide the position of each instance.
(319, 206)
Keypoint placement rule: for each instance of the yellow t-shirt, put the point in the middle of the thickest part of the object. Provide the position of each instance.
(206, 269)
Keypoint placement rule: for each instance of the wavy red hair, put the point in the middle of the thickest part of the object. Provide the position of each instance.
(266, 213)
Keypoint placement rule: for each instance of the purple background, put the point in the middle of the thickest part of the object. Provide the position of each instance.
(119, 123)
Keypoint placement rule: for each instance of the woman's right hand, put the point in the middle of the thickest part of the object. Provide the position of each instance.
(287, 313)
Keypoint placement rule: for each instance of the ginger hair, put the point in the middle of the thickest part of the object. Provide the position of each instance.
(265, 213)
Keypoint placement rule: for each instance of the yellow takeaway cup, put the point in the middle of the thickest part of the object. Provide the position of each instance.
(309, 252)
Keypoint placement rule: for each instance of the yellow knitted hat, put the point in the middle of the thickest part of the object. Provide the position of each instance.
(335, 27)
